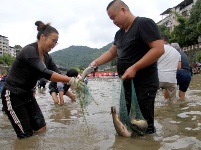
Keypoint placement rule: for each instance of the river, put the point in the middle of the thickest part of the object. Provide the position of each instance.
(178, 124)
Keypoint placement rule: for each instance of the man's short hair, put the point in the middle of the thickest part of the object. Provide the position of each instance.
(165, 38)
(117, 4)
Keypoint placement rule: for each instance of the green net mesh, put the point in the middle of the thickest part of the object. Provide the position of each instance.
(134, 120)
(123, 113)
(84, 96)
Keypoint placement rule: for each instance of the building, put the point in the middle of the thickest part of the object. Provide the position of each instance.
(5, 48)
(4, 45)
(183, 9)
(12, 51)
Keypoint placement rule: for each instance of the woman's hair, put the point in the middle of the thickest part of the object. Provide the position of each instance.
(45, 29)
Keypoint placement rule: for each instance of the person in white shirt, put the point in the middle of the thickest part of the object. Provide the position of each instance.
(168, 64)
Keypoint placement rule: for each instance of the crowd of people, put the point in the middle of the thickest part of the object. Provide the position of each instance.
(142, 54)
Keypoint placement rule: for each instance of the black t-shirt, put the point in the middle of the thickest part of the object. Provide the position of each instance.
(184, 61)
(27, 68)
(132, 45)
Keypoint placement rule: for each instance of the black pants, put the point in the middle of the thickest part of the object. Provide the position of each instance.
(146, 94)
(146, 84)
(23, 112)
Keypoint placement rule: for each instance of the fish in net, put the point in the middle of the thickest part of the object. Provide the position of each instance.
(134, 120)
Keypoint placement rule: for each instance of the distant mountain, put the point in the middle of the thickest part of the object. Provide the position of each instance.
(78, 56)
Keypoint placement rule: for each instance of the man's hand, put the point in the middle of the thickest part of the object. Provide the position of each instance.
(77, 84)
(93, 64)
(129, 73)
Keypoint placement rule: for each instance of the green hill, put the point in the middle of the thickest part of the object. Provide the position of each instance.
(78, 56)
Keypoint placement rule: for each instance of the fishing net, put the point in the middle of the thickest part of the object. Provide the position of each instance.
(134, 120)
(84, 96)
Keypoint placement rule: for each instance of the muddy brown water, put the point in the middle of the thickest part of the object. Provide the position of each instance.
(178, 124)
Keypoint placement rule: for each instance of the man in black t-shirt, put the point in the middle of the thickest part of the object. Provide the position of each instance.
(137, 46)
(183, 74)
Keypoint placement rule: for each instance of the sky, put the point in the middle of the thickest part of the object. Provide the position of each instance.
(79, 22)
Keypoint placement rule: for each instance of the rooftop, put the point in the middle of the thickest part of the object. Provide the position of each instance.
(182, 5)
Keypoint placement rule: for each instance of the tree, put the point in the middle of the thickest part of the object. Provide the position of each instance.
(191, 29)
(198, 57)
(6, 60)
(199, 27)
(188, 30)
(18, 48)
(164, 30)
(179, 32)
(114, 62)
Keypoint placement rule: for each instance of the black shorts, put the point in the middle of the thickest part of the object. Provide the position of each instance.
(23, 112)
(183, 79)
(66, 87)
(52, 89)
